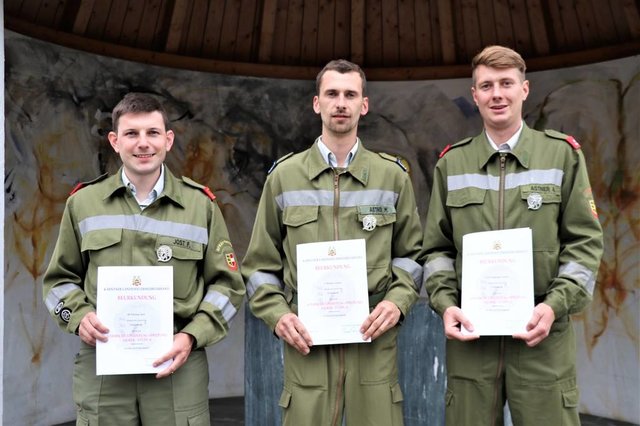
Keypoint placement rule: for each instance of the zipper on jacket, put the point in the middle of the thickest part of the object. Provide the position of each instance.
(503, 160)
(336, 203)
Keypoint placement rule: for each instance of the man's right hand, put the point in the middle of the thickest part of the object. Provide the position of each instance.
(452, 319)
(91, 329)
(290, 329)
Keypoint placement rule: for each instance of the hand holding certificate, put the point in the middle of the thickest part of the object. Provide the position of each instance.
(136, 304)
(333, 297)
(497, 281)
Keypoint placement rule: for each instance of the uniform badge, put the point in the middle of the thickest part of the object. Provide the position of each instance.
(534, 201)
(58, 308)
(231, 261)
(65, 314)
(369, 223)
(164, 253)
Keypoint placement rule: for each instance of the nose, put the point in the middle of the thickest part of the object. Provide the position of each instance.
(495, 91)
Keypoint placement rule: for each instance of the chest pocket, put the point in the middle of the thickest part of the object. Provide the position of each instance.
(536, 195)
(97, 244)
(465, 197)
(302, 224)
(185, 258)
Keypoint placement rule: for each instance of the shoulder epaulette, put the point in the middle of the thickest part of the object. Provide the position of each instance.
(202, 188)
(457, 144)
(278, 161)
(81, 185)
(393, 159)
(567, 138)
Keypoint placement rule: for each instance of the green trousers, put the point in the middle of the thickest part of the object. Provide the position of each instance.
(539, 383)
(358, 382)
(141, 399)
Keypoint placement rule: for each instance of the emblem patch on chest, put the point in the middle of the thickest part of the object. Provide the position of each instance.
(534, 201)
(164, 253)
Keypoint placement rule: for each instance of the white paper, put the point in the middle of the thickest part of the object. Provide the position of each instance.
(497, 281)
(333, 296)
(136, 304)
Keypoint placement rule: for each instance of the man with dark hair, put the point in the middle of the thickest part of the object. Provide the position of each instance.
(337, 190)
(511, 176)
(144, 216)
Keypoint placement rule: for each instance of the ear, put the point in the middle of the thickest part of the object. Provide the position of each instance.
(525, 89)
(316, 104)
(473, 95)
(113, 140)
(365, 106)
(170, 138)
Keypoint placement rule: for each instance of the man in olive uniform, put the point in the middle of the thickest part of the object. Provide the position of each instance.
(337, 190)
(144, 216)
(511, 176)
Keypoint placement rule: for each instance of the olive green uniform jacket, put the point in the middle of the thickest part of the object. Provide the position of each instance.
(472, 193)
(103, 225)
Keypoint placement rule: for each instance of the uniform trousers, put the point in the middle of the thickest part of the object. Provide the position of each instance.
(539, 383)
(141, 399)
(354, 384)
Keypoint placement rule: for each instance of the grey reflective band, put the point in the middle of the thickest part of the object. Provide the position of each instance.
(221, 302)
(372, 197)
(439, 264)
(57, 293)
(579, 273)
(411, 267)
(261, 278)
(141, 223)
(512, 180)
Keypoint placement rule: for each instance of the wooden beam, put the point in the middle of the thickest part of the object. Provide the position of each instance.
(447, 37)
(357, 31)
(521, 30)
(212, 30)
(342, 38)
(309, 48)
(82, 17)
(471, 27)
(504, 29)
(424, 28)
(390, 39)
(246, 30)
(633, 17)
(177, 27)
(373, 28)
(267, 30)
(538, 28)
(487, 23)
(406, 32)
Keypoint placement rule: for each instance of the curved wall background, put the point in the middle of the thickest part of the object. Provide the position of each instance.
(229, 130)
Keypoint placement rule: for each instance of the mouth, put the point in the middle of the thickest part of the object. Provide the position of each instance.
(143, 155)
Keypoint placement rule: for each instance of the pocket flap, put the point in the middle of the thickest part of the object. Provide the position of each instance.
(285, 398)
(465, 196)
(570, 398)
(396, 393)
(299, 215)
(97, 240)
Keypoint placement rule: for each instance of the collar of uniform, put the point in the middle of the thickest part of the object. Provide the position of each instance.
(359, 167)
(115, 186)
(521, 151)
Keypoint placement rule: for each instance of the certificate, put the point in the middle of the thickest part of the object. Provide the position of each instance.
(497, 281)
(333, 296)
(136, 304)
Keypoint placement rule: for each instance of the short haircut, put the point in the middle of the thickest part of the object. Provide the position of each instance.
(498, 57)
(343, 67)
(136, 103)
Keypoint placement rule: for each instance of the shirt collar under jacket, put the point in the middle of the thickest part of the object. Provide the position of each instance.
(115, 185)
(509, 144)
(153, 195)
(358, 168)
(330, 157)
(521, 151)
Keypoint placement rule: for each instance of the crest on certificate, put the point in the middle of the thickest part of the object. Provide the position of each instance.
(331, 251)
(136, 281)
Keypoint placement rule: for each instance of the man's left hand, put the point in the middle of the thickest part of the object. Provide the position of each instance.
(182, 344)
(538, 326)
(383, 317)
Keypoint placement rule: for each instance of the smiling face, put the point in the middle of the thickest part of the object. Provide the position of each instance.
(340, 103)
(499, 94)
(142, 143)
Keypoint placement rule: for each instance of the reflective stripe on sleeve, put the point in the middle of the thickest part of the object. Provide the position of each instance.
(410, 266)
(439, 264)
(512, 180)
(141, 223)
(374, 197)
(221, 302)
(57, 293)
(579, 273)
(261, 278)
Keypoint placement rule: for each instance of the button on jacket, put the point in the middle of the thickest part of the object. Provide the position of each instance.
(103, 225)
